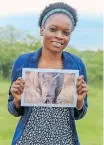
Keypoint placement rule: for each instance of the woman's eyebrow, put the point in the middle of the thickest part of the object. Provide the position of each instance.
(53, 25)
(57, 26)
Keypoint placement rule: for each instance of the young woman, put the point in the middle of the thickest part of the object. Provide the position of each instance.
(49, 125)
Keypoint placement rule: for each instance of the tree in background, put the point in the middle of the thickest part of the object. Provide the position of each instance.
(14, 42)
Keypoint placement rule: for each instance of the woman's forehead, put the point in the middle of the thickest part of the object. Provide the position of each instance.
(59, 19)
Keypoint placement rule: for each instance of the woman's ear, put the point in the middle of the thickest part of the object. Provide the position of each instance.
(41, 31)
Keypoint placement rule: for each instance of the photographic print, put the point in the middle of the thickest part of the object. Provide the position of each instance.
(49, 87)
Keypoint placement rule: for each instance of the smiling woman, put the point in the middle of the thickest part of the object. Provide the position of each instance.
(49, 125)
(56, 32)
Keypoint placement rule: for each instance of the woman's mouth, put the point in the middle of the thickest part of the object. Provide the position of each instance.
(57, 44)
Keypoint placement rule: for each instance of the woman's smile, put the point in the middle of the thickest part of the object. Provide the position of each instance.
(57, 44)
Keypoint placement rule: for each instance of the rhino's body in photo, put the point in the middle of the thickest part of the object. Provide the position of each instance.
(49, 87)
(67, 94)
(45, 87)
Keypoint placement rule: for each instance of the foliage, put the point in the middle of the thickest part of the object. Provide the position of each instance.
(14, 42)
(93, 61)
(12, 45)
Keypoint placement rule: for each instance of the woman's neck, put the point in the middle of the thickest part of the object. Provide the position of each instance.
(50, 60)
(51, 56)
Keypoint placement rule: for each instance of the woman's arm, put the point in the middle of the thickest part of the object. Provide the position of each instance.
(80, 113)
(82, 104)
(12, 105)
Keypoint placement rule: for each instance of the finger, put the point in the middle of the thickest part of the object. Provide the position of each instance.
(21, 79)
(83, 90)
(79, 88)
(84, 81)
(19, 83)
(79, 82)
(15, 91)
(80, 77)
(84, 85)
(18, 87)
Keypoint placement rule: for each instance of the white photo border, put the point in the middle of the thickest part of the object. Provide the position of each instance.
(76, 72)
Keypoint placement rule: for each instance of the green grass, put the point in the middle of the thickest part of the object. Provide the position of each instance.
(90, 128)
(7, 121)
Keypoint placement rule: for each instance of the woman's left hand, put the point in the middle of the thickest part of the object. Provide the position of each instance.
(82, 90)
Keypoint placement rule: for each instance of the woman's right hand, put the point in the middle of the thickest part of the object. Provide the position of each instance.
(17, 89)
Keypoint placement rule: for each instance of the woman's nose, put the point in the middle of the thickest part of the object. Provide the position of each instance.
(59, 35)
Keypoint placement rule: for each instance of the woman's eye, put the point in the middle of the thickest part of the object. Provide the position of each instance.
(52, 29)
(66, 33)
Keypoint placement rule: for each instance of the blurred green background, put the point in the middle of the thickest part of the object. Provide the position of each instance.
(90, 128)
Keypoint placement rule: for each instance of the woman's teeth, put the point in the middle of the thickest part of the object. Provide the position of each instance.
(57, 44)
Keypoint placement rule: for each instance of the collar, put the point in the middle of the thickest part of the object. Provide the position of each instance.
(36, 55)
(67, 60)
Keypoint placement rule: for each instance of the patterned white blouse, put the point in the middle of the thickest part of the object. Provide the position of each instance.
(48, 125)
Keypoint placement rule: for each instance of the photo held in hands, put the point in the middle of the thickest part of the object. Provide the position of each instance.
(49, 87)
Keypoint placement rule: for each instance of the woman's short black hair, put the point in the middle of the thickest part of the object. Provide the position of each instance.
(55, 6)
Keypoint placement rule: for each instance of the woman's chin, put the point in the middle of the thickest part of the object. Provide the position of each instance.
(56, 49)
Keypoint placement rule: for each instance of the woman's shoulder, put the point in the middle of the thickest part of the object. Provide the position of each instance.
(76, 62)
(22, 61)
(28, 56)
(25, 56)
(73, 57)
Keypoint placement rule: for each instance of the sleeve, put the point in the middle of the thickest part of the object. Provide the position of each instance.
(79, 114)
(11, 107)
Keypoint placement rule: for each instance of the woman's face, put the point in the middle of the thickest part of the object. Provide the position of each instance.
(56, 32)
